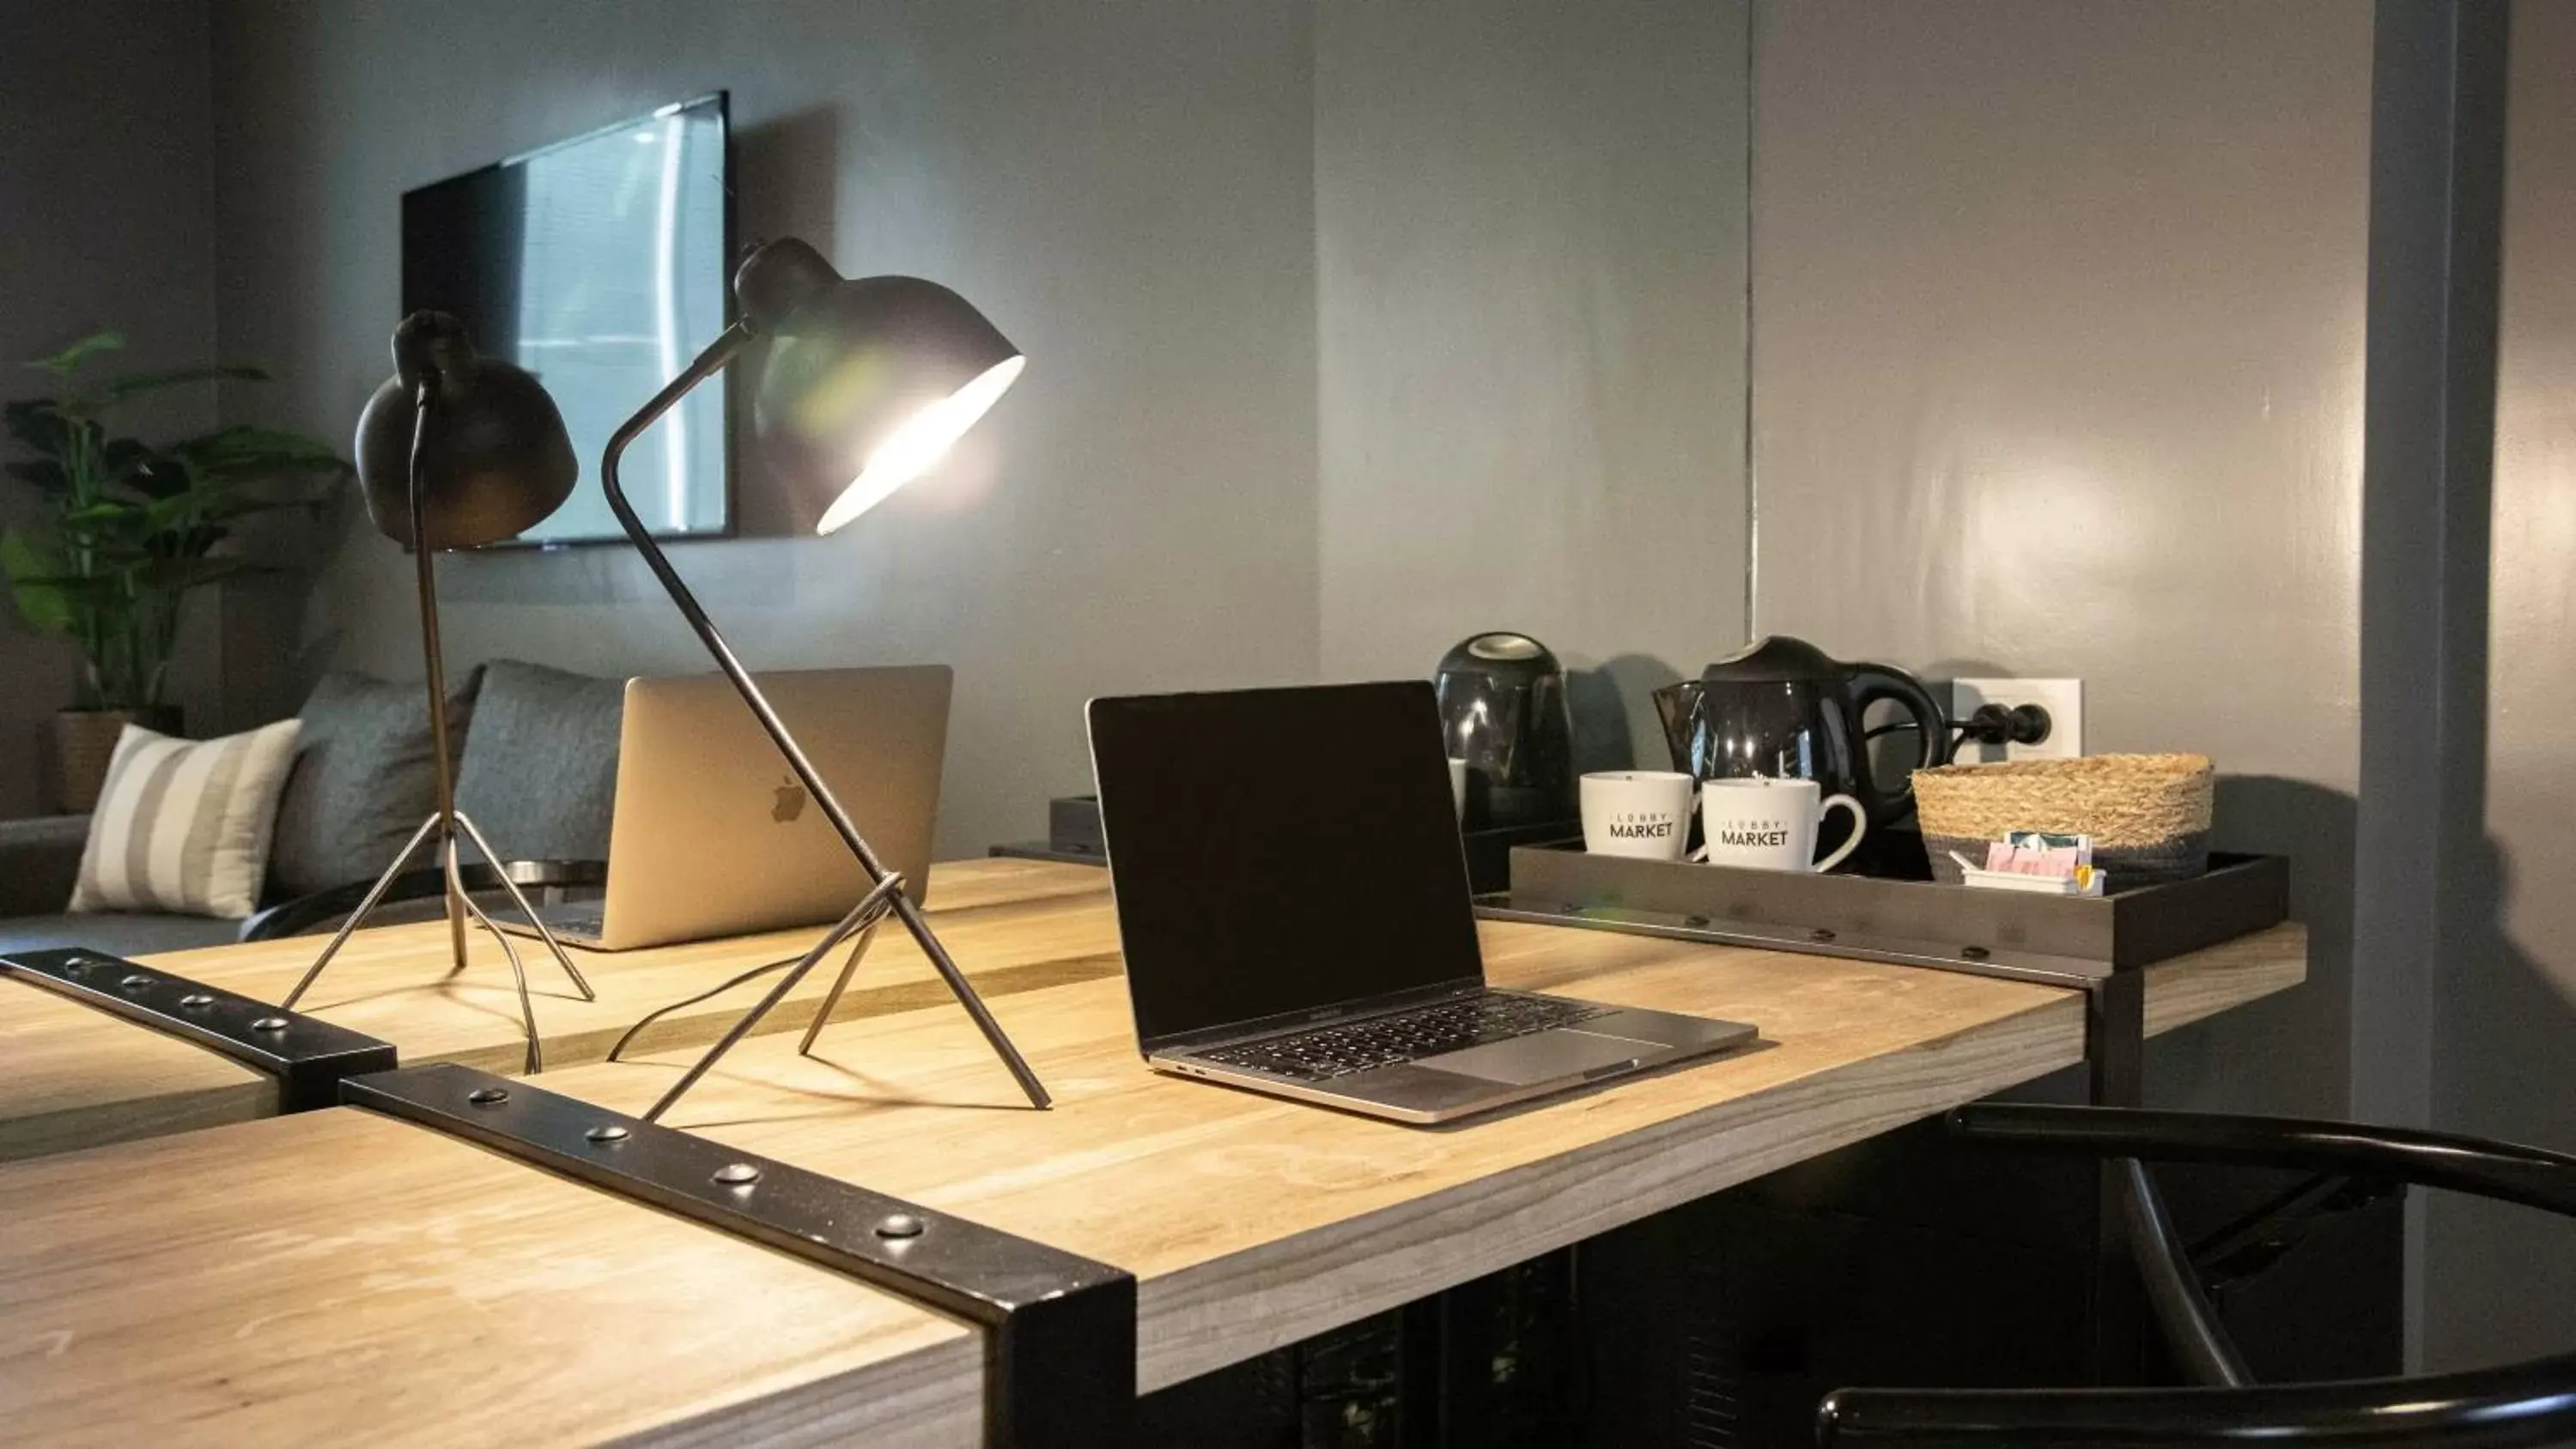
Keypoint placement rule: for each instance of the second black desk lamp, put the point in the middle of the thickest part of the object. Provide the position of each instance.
(865, 385)
(455, 450)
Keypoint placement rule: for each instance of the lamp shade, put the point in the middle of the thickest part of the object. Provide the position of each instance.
(495, 460)
(866, 382)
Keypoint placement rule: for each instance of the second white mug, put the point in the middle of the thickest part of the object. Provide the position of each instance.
(1762, 824)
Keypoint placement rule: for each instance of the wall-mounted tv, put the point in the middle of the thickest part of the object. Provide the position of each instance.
(600, 264)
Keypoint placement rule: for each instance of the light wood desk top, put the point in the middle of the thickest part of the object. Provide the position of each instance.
(1252, 1222)
(75, 1077)
(342, 1278)
(457, 1297)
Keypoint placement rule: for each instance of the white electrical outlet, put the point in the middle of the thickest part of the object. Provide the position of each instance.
(2062, 698)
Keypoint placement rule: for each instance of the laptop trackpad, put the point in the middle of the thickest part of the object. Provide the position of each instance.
(1542, 1056)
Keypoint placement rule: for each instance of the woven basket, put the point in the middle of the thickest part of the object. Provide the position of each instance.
(2148, 814)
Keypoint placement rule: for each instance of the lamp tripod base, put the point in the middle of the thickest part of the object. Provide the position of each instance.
(861, 922)
(445, 830)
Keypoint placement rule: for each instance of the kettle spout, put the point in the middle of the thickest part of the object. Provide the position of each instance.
(1679, 707)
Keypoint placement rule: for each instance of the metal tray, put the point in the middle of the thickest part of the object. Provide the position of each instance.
(1490, 849)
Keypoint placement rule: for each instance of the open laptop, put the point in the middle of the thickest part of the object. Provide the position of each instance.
(1292, 901)
(711, 834)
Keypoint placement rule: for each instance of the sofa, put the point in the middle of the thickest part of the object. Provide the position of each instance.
(536, 769)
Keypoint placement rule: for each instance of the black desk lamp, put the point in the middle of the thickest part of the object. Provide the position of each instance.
(456, 450)
(866, 384)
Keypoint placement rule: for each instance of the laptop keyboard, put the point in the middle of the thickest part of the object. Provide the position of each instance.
(1381, 1041)
(567, 923)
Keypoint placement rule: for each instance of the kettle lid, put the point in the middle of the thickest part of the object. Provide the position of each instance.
(1500, 652)
(1774, 659)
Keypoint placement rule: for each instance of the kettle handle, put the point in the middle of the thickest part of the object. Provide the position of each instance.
(1871, 683)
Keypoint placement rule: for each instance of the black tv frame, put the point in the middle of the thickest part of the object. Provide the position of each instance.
(733, 399)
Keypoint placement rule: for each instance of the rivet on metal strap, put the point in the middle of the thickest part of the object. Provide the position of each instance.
(488, 1096)
(739, 1174)
(606, 1132)
(899, 1225)
(196, 1001)
(269, 1023)
(135, 982)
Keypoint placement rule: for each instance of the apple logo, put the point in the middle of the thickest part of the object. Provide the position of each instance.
(789, 804)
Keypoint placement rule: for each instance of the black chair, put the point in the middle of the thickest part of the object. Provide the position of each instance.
(2528, 1403)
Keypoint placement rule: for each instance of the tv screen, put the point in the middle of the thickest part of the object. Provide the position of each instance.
(599, 264)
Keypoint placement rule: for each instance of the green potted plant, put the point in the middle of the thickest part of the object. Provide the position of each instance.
(126, 530)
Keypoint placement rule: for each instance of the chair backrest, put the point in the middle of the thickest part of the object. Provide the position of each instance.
(2531, 1403)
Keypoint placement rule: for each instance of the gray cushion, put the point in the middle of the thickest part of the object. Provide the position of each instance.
(540, 774)
(117, 933)
(364, 780)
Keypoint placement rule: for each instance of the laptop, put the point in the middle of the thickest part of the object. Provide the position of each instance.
(711, 835)
(1291, 894)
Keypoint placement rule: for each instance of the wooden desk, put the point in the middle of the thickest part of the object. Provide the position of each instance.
(76, 1078)
(1252, 1222)
(341, 1278)
(1249, 1222)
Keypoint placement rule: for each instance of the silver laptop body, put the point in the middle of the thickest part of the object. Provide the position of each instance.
(711, 835)
(1293, 907)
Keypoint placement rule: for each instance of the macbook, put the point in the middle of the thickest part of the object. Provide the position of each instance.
(1292, 902)
(711, 835)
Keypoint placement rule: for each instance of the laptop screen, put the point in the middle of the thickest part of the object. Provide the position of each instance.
(1280, 850)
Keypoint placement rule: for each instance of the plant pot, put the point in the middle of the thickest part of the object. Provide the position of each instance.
(84, 744)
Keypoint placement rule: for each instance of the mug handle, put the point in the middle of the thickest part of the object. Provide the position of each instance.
(1860, 827)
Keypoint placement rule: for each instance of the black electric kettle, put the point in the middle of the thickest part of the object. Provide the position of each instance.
(1503, 710)
(1785, 709)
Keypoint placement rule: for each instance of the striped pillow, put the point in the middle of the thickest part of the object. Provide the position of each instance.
(182, 827)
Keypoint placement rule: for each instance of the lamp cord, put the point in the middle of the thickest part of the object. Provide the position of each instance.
(712, 992)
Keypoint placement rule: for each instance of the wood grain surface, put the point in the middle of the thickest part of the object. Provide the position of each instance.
(77, 1078)
(1252, 1222)
(337, 1276)
(342, 1278)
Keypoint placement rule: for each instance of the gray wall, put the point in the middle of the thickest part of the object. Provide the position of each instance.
(105, 209)
(1529, 238)
(1126, 190)
(2057, 369)
(2499, 1280)
(1139, 195)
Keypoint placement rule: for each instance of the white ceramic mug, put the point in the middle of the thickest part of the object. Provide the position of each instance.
(1641, 813)
(1763, 824)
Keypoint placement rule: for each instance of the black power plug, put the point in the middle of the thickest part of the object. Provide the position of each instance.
(1992, 724)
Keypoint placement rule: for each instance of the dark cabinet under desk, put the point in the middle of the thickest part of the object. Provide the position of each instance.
(1906, 1259)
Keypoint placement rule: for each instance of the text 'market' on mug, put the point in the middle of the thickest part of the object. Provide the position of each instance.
(1640, 813)
(1760, 824)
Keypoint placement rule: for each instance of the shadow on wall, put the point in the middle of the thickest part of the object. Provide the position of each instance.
(2287, 1054)
(787, 175)
(269, 664)
(2503, 1275)
(1614, 714)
